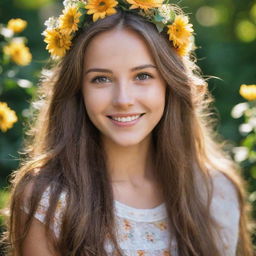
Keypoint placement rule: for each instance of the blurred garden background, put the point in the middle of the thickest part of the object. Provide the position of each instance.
(226, 41)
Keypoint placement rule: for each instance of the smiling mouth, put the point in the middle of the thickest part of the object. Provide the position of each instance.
(127, 118)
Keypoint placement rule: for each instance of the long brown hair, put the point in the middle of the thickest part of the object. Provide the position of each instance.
(63, 151)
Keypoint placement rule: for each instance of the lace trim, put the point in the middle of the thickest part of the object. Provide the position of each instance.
(148, 215)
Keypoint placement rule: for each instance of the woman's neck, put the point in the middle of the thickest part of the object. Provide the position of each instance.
(131, 164)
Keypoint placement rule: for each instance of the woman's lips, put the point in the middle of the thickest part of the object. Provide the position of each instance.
(124, 121)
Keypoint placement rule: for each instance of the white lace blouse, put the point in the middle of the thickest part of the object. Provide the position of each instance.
(145, 232)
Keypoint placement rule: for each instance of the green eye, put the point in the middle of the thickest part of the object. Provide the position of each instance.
(143, 76)
(100, 79)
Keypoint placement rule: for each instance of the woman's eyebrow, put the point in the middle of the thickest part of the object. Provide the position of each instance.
(103, 70)
(143, 66)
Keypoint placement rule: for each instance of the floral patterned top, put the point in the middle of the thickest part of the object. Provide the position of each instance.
(146, 232)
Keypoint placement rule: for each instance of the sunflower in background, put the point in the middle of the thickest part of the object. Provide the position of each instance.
(16, 25)
(18, 52)
(248, 92)
(15, 52)
(7, 117)
(245, 153)
(15, 48)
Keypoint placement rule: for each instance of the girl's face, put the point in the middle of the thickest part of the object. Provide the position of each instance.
(123, 91)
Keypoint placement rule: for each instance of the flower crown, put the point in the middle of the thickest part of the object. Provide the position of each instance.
(79, 13)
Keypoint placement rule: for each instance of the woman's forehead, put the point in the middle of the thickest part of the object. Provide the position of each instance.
(121, 46)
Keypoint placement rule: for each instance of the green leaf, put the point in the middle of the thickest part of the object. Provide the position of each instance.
(160, 27)
(82, 17)
(171, 19)
(81, 5)
(249, 141)
(10, 84)
(172, 16)
(253, 172)
(6, 59)
(158, 18)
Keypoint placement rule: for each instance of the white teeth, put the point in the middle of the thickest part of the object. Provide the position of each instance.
(126, 119)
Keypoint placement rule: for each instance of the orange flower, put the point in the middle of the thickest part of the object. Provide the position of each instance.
(19, 53)
(166, 253)
(7, 117)
(58, 42)
(127, 224)
(16, 25)
(184, 49)
(145, 4)
(161, 225)
(248, 92)
(101, 8)
(180, 31)
(69, 19)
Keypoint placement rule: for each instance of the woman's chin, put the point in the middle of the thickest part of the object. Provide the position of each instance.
(126, 141)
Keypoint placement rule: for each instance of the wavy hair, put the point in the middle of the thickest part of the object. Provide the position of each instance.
(63, 150)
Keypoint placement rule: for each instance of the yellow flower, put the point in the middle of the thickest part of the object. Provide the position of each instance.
(248, 91)
(180, 31)
(7, 117)
(17, 25)
(144, 4)
(184, 49)
(58, 42)
(18, 52)
(101, 8)
(69, 19)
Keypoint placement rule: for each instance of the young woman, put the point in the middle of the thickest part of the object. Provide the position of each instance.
(122, 158)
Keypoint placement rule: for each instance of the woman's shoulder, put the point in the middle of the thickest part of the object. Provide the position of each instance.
(43, 205)
(225, 210)
(224, 188)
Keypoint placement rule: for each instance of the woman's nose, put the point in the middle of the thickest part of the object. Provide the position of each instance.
(123, 95)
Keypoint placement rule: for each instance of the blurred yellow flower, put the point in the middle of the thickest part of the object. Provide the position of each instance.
(180, 31)
(17, 25)
(145, 4)
(183, 50)
(101, 8)
(69, 19)
(248, 91)
(7, 117)
(18, 52)
(58, 42)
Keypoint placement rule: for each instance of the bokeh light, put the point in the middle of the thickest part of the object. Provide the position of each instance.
(207, 16)
(246, 31)
(253, 12)
(30, 4)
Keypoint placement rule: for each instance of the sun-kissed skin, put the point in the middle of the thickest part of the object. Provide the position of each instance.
(129, 83)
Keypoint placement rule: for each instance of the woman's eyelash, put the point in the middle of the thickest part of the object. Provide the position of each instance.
(104, 79)
(144, 75)
(100, 79)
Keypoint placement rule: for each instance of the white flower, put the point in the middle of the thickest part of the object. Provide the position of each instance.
(252, 122)
(239, 109)
(245, 128)
(52, 23)
(68, 3)
(165, 11)
(6, 32)
(24, 83)
(240, 153)
(19, 40)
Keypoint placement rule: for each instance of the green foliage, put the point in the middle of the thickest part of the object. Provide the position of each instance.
(4, 199)
(15, 90)
(245, 153)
